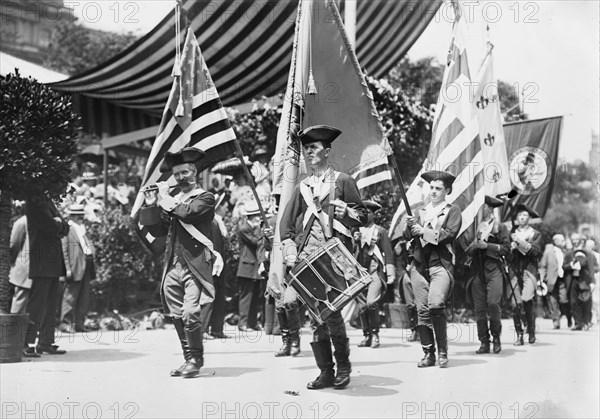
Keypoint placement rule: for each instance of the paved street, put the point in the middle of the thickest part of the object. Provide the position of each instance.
(125, 375)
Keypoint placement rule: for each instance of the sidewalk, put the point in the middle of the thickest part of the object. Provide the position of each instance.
(126, 375)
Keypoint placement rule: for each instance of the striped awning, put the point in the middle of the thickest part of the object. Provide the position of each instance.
(247, 46)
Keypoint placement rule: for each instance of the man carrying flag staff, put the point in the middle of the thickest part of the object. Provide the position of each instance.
(310, 203)
(488, 250)
(433, 232)
(186, 218)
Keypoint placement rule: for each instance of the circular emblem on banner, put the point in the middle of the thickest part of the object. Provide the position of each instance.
(530, 170)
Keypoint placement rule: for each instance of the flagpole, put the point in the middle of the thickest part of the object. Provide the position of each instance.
(392, 159)
(240, 155)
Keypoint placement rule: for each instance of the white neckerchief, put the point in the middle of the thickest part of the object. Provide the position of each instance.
(432, 212)
(221, 225)
(81, 235)
(366, 234)
(316, 183)
(524, 234)
(560, 258)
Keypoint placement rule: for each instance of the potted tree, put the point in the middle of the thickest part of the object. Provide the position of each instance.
(38, 134)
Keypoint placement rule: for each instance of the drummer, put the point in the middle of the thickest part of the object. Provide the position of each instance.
(328, 204)
(373, 250)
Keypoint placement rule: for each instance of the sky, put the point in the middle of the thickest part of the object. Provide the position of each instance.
(549, 48)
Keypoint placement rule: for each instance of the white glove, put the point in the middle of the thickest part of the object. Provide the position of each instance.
(218, 264)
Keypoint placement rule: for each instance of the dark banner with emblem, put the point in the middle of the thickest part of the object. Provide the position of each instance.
(532, 149)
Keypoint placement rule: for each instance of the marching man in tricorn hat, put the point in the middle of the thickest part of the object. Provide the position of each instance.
(433, 231)
(187, 278)
(310, 205)
(488, 250)
(527, 247)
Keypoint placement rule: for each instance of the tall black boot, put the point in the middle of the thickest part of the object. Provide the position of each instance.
(323, 357)
(374, 323)
(285, 334)
(179, 328)
(196, 361)
(438, 319)
(428, 345)
(518, 326)
(530, 315)
(414, 335)
(565, 308)
(496, 329)
(484, 337)
(342, 358)
(364, 321)
(293, 318)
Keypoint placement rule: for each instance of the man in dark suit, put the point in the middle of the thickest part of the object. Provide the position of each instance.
(216, 309)
(552, 273)
(187, 283)
(250, 235)
(78, 254)
(374, 252)
(487, 252)
(45, 228)
(580, 266)
(526, 247)
(433, 231)
(309, 214)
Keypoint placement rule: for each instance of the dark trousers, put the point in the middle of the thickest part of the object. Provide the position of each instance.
(334, 327)
(43, 301)
(213, 314)
(76, 299)
(248, 301)
(487, 295)
(581, 305)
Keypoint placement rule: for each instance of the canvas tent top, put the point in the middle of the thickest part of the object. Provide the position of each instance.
(247, 46)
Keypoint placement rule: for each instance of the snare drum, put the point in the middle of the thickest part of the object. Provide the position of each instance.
(328, 279)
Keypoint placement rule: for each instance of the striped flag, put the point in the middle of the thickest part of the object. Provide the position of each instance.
(491, 131)
(203, 124)
(455, 144)
(373, 174)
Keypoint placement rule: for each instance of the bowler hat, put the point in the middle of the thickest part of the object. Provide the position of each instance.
(185, 155)
(323, 133)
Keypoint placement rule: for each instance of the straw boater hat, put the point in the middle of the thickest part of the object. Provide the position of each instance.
(185, 155)
(232, 167)
(323, 133)
(250, 208)
(76, 209)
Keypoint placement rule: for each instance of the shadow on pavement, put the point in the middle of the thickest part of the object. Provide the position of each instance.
(92, 355)
(227, 371)
(370, 386)
(503, 354)
(455, 363)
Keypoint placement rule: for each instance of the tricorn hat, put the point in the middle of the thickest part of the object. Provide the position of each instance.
(492, 202)
(431, 175)
(322, 133)
(76, 209)
(185, 155)
(372, 205)
(522, 207)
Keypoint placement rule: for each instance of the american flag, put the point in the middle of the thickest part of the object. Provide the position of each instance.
(203, 124)
(373, 175)
(455, 144)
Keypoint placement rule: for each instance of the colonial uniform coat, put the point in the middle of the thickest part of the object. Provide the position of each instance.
(487, 270)
(524, 264)
(375, 259)
(196, 209)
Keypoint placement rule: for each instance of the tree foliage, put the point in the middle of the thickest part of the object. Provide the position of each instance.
(74, 48)
(38, 132)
